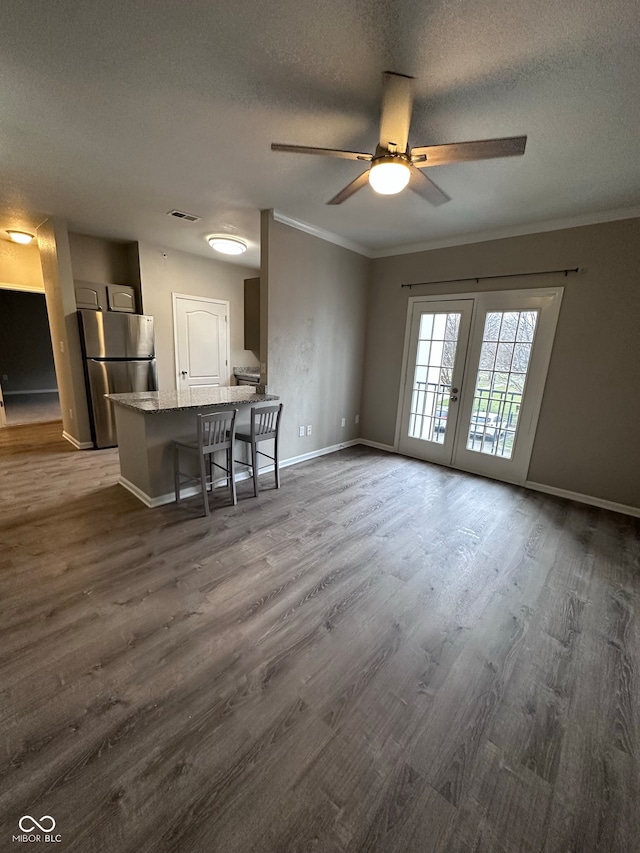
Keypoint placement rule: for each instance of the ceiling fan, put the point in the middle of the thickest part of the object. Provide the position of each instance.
(394, 165)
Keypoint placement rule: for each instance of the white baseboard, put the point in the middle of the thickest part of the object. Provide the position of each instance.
(160, 500)
(294, 460)
(186, 491)
(79, 445)
(376, 444)
(549, 490)
(33, 391)
(189, 491)
(142, 496)
(584, 499)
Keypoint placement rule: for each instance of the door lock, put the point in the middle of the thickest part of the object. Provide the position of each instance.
(454, 390)
(183, 372)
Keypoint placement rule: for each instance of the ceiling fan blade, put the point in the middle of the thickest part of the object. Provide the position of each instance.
(329, 152)
(395, 114)
(424, 186)
(461, 152)
(351, 188)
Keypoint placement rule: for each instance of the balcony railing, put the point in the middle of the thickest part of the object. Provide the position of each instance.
(429, 410)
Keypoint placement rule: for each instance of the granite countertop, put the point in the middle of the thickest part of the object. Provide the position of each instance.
(222, 397)
(252, 370)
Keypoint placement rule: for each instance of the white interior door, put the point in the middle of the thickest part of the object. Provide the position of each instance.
(483, 387)
(201, 334)
(438, 337)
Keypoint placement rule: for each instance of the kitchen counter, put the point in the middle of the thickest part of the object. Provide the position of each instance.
(211, 399)
(147, 422)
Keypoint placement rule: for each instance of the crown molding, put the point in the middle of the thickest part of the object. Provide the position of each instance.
(329, 236)
(461, 239)
(512, 231)
(26, 288)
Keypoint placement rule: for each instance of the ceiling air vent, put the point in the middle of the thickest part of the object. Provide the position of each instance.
(188, 217)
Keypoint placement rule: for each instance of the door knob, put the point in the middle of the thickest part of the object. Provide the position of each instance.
(453, 399)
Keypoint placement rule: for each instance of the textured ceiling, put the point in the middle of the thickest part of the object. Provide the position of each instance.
(113, 113)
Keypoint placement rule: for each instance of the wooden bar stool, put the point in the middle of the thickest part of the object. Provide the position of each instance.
(265, 425)
(216, 432)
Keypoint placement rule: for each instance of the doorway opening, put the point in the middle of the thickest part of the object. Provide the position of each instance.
(28, 386)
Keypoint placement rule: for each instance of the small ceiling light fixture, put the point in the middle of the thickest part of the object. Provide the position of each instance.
(389, 175)
(226, 244)
(20, 236)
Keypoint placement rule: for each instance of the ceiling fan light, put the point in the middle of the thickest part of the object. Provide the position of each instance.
(389, 176)
(226, 244)
(20, 236)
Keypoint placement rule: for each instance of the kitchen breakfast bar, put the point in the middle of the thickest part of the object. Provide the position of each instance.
(147, 423)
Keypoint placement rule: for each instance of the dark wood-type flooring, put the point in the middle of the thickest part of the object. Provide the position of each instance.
(384, 655)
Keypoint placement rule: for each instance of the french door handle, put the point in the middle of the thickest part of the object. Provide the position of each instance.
(453, 399)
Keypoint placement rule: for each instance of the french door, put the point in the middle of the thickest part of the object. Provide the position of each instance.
(475, 368)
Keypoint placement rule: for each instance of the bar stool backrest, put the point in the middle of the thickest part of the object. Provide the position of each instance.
(265, 422)
(216, 431)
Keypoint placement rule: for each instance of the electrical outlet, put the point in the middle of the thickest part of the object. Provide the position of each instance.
(71, 413)
(61, 346)
(4, 377)
(357, 419)
(308, 429)
(301, 431)
(344, 422)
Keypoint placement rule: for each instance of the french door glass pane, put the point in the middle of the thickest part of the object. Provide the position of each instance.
(504, 361)
(435, 356)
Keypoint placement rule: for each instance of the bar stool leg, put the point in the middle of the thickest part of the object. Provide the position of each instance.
(232, 476)
(276, 460)
(254, 465)
(176, 473)
(203, 476)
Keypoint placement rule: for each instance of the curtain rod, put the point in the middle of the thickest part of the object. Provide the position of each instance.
(479, 278)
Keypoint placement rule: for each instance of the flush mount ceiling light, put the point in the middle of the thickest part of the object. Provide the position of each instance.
(226, 244)
(20, 236)
(389, 175)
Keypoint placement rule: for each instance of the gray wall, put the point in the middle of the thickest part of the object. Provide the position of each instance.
(166, 271)
(25, 343)
(98, 259)
(587, 434)
(317, 296)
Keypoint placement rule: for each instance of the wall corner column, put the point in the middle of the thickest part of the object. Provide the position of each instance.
(55, 257)
(266, 221)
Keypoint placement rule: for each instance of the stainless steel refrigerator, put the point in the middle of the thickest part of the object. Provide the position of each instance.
(119, 357)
